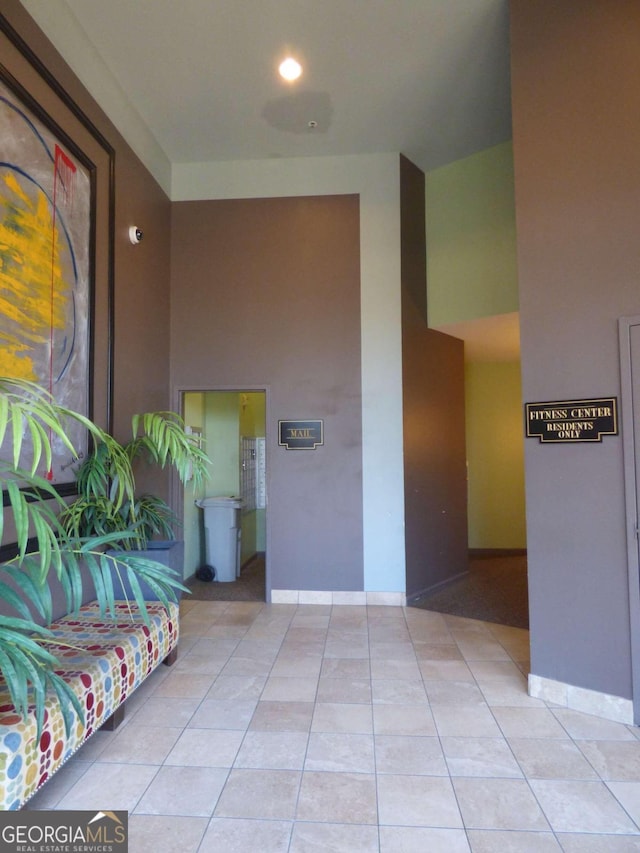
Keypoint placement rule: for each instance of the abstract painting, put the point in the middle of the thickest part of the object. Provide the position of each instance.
(45, 264)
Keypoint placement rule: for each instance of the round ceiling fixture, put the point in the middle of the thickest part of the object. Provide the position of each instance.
(290, 69)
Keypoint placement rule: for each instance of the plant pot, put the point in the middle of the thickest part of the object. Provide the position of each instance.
(169, 552)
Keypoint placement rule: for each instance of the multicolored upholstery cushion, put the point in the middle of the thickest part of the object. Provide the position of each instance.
(104, 659)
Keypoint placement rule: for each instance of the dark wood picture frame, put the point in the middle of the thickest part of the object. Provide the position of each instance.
(32, 83)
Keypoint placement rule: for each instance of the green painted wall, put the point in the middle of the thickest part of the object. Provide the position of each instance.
(495, 455)
(193, 413)
(222, 436)
(471, 238)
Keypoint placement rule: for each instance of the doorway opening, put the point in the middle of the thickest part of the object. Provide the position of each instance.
(232, 428)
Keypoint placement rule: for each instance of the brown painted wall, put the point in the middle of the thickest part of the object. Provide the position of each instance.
(433, 415)
(576, 124)
(266, 294)
(141, 273)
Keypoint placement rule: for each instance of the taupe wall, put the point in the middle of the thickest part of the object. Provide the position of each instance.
(266, 294)
(435, 489)
(141, 274)
(576, 127)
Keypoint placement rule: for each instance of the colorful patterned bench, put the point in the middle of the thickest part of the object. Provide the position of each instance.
(104, 660)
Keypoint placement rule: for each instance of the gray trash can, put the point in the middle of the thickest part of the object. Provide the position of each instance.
(222, 535)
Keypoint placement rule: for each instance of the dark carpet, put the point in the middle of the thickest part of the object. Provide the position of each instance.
(248, 587)
(495, 590)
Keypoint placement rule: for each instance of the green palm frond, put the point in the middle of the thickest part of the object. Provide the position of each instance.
(28, 670)
(68, 541)
(164, 439)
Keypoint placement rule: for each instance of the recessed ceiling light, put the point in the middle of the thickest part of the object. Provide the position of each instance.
(290, 69)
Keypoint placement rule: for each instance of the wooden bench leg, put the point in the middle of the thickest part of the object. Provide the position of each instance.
(112, 722)
(171, 658)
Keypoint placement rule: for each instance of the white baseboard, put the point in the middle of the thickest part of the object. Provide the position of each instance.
(580, 699)
(307, 596)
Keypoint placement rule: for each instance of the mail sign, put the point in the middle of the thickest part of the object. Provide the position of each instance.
(301, 435)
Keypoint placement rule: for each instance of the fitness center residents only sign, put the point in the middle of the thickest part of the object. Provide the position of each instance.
(572, 420)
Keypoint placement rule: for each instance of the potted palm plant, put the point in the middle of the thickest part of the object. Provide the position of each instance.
(145, 521)
(49, 550)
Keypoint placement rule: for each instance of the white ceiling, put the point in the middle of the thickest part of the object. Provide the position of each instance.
(428, 78)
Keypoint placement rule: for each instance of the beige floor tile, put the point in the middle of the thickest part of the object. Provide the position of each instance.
(349, 690)
(410, 839)
(214, 648)
(237, 717)
(235, 835)
(289, 689)
(205, 748)
(297, 666)
(356, 668)
(445, 670)
(454, 693)
(223, 714)
(95, 746)
(333, 838)
(66, 777)
(166, 833)
(488, 757)
(347, 649)
(165, 712)
(282, 717)
(184, 685)
(417, 801)
(419, 756)
(273, 750)
(618, 760)
(382, 668)
(380, 650)
(393, 692)
(481, 649)
(494, 670)
(340, 752)
(551, 759)
(338, 798)
(114, 787)
(342, 717)
(495, 841)
(576, 806)
(528, 722)
(460, 721)
(238, 665)
(237, 687)
(199, 665)
(581, 843)
(261, 794)
(628, 795)
(426, 651)
(404, 720)
(186, 791)
(509, 692)
(141, 745)
(499, 804)
(581, 726)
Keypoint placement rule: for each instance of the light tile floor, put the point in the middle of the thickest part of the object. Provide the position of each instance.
(312, 729)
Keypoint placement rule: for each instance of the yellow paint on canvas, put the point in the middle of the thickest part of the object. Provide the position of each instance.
(33, 291)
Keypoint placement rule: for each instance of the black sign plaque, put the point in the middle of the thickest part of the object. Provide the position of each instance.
(572, 420)
(301, 435)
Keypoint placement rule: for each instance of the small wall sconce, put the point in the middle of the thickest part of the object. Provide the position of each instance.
(135, 234)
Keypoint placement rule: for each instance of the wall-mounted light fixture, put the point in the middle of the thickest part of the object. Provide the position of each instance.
(135, 234)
